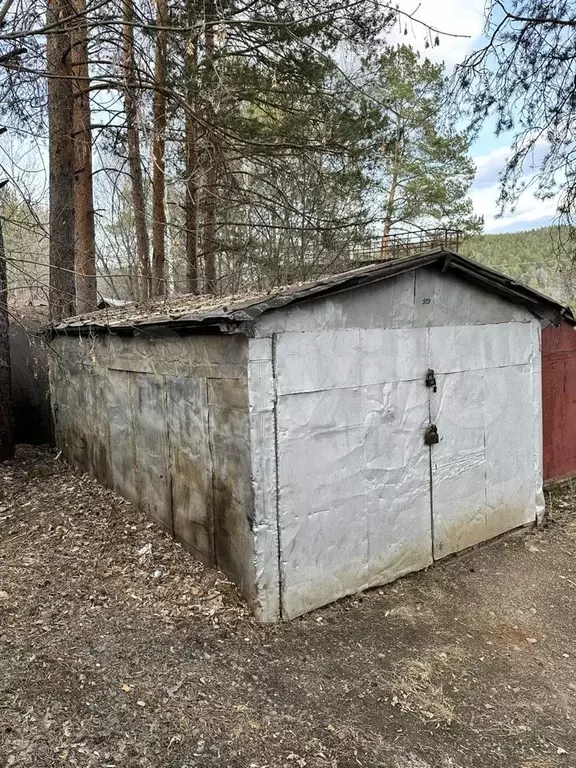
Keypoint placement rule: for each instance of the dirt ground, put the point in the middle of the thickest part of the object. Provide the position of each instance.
(117, 649)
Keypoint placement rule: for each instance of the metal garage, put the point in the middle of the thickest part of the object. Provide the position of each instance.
(322, 439)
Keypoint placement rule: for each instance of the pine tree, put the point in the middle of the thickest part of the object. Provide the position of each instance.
(422, 165)
(524, 77)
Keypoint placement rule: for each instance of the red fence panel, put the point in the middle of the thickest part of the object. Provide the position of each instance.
(559, 401)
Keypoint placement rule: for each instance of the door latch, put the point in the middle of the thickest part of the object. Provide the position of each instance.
(431, 379)
(431, 435)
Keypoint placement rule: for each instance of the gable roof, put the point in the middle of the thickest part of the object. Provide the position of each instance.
(234, 312)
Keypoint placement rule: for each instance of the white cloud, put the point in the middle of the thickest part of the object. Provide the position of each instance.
(451, 17)
(528, 212)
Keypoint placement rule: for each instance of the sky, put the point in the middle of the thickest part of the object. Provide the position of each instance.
(466, 17)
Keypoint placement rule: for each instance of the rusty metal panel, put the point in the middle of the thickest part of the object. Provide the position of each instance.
(190, 464)
(559, 401)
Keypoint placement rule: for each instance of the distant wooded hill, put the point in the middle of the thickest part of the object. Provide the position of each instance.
(542, 258)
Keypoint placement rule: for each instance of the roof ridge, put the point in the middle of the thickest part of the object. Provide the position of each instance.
(238, 309)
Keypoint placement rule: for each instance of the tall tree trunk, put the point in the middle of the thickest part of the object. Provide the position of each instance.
(210, 153)
(388, 217)
(191, 202)
(6, 423)
(159, 156)
(391, 201)
(86, 289)
(134, 156)
(209, 224)
(62, 293)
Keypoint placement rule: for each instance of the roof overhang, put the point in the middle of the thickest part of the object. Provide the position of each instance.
(239, 315)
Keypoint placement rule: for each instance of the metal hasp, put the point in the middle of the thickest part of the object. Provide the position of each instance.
(431, 379)
(431, 435)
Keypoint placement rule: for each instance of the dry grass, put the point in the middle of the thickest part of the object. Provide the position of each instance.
(420, 689)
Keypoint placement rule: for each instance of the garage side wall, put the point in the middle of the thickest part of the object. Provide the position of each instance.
(164, 422)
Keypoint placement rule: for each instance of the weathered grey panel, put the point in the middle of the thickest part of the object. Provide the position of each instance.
(350, 358)
(486, 473)
(354, 490)
(190, 464)
(419, 299)
(397, 481)
(151, 445)
(354, 480)
(97, 434)
(459, 461)
(164, 421)
(71, 431)
(264, 479)
(119, 392)
(232, 480)
(195, 356)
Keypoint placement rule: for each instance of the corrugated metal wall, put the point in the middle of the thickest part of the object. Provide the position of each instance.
(559, 401)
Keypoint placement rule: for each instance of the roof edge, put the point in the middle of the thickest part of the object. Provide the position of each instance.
(241, 316)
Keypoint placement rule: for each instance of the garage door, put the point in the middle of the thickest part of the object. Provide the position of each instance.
(362, 498)
(486, 466)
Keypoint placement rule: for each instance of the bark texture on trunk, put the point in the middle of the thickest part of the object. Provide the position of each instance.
(86, 288)
(159, 156)
(191, 202)
(6, 422)
(62, 293)
(210, 194)
(134, 155)
(385, 250)
(209, 226)
(385, 244)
